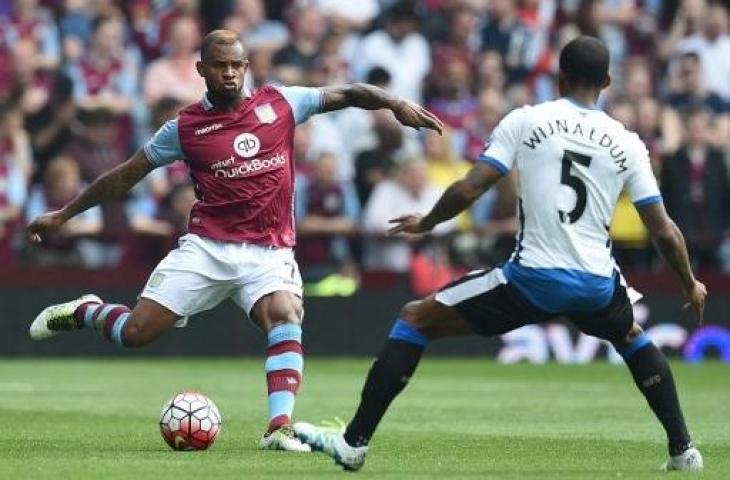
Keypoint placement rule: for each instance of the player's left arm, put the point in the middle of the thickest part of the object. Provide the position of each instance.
(457, 198)
(370, 97)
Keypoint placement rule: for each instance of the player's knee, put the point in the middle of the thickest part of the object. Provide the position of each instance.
(412, 314)
(635, 339)
(135, 335)
(282, 313)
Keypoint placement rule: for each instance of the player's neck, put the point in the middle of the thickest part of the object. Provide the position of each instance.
(584, 98)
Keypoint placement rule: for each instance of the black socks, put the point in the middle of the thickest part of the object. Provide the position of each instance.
(388, 376)
(653, 376)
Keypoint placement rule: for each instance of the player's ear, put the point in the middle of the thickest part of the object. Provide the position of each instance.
(606, 82)
(199, 68)
(562, 87)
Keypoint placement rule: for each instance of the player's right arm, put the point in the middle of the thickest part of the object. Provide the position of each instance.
(641, 185)
(162, 149)
(109, 186)
(454, 200)
(496, 161)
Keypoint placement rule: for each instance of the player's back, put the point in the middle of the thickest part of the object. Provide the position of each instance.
(573, 162)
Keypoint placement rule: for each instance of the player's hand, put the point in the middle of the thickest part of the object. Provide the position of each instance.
(412, 223)
(44, 224)
(696, 299)
(413, 115)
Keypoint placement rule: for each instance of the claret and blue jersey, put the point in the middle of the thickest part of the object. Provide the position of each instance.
(241, 163)
(573, 162)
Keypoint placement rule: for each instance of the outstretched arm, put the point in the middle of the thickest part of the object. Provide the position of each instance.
(455, 200)
(109, 186)
(670, 243)
(369, 97)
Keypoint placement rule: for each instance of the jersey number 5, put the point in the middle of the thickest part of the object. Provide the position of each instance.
(575, 183)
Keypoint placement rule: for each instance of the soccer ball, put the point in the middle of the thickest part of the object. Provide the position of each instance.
(190, 421)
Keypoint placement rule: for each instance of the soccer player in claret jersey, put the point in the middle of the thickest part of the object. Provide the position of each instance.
(573, 162)
(238, 148)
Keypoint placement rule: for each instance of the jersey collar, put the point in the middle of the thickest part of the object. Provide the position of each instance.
(581, 105)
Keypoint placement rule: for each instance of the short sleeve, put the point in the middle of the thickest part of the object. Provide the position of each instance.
(164, 146)
(641, 184)
(501, 148)
(16, 188)
(304, 101)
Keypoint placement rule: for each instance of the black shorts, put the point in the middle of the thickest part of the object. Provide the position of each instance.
(487, 301)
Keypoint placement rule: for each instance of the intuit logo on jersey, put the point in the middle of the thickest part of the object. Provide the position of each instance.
(561, 126)
(208, 129)
(247, 167)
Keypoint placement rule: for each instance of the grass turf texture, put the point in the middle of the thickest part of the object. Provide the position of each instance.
(79, 419)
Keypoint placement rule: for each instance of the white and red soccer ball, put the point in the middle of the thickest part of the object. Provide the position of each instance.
(190, 421)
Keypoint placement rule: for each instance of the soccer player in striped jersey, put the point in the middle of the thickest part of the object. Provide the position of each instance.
(573, 162)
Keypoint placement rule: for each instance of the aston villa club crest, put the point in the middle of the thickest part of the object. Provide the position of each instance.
(265, 113)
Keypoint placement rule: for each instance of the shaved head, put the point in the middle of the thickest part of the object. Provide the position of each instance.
(223, 65)
(218, 37)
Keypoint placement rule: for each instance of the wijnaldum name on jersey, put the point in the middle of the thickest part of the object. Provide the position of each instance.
(604, 140)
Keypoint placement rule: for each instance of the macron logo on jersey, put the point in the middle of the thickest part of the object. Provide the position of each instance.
(208, 129)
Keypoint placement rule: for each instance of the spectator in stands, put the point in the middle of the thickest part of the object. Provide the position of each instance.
(260, 68)
(13, 181)
(177, 9)
(31, 86)
(462, 43)
(330, 68)
(712, 45)
(105, 76)
(327, 212)
(491, 108)
(454, 102)
(61, 183)
(407, 192)
(372, 166)
(444, 166)
(356, 124)
(696, 191)
(608, 20)
(248, 19)
(30, 22)
(174, 75)
(95, 150)
(294, 61)
(519, 45)
(648, 127)
(75, 28)
(51, 127)
(15, 148)
(349, 16)
(638, 81)
(399, 49)
(690, 92)
(490, 71)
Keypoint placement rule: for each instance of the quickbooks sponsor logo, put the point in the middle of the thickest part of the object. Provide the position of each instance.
(208, 129)
(251, 166)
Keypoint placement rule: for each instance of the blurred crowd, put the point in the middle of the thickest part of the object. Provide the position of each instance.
(83, 83)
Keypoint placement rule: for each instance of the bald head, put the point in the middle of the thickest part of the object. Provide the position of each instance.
(218, 37)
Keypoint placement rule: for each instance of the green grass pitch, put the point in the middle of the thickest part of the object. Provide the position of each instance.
(97, 419)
